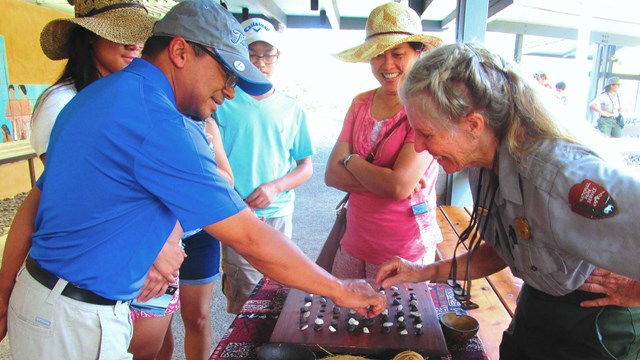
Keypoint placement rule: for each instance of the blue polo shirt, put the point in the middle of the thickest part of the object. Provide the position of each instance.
(122, 166)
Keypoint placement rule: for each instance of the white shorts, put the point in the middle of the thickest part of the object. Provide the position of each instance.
(43, 324)
(239, 278)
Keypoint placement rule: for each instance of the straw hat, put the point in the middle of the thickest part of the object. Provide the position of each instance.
(121, 21)
(389, 25)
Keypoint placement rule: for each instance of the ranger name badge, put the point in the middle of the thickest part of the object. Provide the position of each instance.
(522, 228)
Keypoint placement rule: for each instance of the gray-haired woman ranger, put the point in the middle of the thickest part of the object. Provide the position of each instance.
(547, 206)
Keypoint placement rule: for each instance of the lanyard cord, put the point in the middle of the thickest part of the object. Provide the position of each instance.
(472, 233)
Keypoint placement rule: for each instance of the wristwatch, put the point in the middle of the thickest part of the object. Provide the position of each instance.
(347, 158)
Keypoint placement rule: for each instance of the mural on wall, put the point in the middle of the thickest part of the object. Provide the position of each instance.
(16, 103)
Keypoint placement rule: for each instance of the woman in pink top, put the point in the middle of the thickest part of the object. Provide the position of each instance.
(392, 202)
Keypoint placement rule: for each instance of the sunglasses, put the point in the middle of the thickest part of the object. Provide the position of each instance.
(231, 78)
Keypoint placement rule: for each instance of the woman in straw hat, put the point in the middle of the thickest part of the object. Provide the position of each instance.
(102, 38)
(607, 104)
(392, 197)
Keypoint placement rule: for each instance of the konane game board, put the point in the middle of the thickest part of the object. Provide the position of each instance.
(409, 323)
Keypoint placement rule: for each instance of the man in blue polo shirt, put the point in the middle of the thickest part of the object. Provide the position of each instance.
(123, 165)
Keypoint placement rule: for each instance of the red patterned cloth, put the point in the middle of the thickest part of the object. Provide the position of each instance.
(257, 319)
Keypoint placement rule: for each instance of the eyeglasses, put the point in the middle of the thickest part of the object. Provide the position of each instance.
(267, 59)
(231, 78)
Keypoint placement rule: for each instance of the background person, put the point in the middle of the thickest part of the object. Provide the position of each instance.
(560, 94)
(201, 268)
(472, 109)
(392, 200)
(541, 78)
(607, 104)
(89, 255)
(267, 140)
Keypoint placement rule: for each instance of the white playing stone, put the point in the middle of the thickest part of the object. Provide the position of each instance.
(319, 321)
(331, 328)
(365, 330)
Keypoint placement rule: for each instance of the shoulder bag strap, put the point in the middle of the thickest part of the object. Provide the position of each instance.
(372, 155)
(374, 152)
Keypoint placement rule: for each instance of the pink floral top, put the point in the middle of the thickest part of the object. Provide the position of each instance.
(377, 227)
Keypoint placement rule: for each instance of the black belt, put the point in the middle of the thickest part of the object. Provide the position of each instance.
(575, 297)
(49, 280)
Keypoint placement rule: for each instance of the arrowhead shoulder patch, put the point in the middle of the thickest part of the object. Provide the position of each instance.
(591, 200)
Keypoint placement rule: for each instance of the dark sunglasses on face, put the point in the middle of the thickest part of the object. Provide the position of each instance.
(231, 78)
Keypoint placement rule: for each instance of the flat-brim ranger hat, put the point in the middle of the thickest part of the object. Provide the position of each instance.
(389, 25)
(121, 21)
(207, 23)
(614, 80)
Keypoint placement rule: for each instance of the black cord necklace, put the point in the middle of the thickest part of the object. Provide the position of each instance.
(462, 292)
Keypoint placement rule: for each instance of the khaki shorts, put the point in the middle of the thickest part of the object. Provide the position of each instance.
(43, 324)
(239, 278)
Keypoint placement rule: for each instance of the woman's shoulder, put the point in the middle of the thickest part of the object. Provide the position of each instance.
(59, 93)
(55, 98)
(364, 97)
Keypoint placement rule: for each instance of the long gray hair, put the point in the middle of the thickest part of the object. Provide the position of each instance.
(461, 78)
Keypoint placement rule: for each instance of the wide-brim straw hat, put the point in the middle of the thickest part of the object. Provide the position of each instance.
(389, 25)
(121, 21)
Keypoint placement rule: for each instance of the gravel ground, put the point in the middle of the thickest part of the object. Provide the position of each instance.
(8, 208)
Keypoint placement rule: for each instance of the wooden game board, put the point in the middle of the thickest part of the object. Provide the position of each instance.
(429, 343)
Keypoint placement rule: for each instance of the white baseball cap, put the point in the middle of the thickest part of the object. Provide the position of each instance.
(256, 29)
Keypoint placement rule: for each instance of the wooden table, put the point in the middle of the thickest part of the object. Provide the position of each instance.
(256, 321)
(496, 295)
